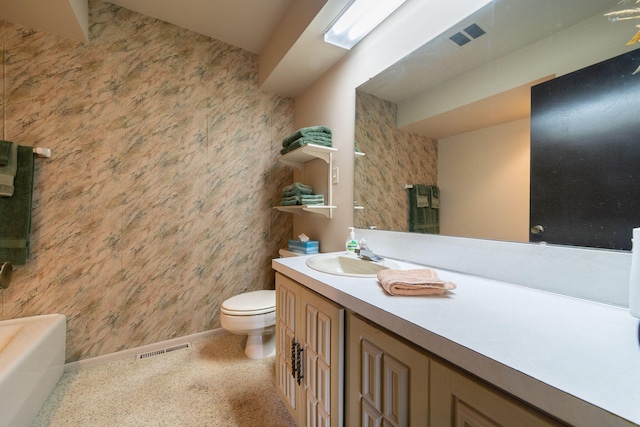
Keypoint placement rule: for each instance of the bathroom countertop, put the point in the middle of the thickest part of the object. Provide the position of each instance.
(574, 359)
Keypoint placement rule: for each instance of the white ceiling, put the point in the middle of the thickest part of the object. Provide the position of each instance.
(243, 23)
(286, 34)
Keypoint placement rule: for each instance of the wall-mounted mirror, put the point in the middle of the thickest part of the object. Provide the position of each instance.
(448, 126)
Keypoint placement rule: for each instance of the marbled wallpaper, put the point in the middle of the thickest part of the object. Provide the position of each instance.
(393, 158)
(157, 202)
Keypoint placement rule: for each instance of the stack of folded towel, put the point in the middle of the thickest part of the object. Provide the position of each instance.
(300, 194)
(423, 281)
(319, 135)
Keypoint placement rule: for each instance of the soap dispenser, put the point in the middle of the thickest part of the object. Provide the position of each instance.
(351, 244)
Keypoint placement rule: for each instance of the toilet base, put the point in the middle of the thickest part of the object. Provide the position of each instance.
(260, 346)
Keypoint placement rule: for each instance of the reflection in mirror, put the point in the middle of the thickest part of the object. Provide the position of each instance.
(459, 116)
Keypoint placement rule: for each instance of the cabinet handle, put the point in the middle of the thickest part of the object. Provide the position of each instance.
(300, 357)
(294, 353)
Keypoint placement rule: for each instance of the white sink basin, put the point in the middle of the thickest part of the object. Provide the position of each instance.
(348, 265)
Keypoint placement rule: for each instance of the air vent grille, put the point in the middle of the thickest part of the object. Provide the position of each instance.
(460, 39)
(471, 32)
(474, 31)
(162, 351)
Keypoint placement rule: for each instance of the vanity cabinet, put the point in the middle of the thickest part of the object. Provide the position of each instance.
(309, 354)
(297, 159)
(388, 379)
(398, 370)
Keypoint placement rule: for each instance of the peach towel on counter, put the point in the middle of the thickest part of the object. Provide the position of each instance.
(423, 281)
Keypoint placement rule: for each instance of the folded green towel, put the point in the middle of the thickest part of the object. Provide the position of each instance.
(5, 149)
(15, 212)
(8, 173)
(296, 192)
(313, 199)
(312, 131)
(304, 141)
(314, 138)
(288, 202)
(303, 188)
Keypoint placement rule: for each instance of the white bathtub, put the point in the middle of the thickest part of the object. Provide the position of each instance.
(31, 363)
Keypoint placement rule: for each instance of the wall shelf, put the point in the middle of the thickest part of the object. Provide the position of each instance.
(298, 209)
(297, 159)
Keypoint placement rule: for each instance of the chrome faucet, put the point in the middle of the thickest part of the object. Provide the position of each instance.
(367, 254)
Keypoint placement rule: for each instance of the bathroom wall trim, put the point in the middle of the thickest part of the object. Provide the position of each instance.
(132, 352)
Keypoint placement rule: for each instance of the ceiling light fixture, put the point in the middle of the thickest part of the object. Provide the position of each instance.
(357, 20)
(360, 17)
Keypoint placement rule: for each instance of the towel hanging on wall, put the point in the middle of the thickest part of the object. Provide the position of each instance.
(424, 208)
(15, 212)
(8, 169)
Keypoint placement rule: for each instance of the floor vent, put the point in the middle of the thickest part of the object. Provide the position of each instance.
(162, 351)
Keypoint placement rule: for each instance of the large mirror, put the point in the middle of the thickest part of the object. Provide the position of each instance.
(449, 126)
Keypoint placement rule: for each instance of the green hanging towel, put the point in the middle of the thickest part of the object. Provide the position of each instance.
(15, 212)
(424, 209)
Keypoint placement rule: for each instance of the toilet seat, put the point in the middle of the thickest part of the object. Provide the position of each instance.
(250, 303)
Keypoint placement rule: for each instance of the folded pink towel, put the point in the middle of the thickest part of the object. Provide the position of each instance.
(422, 281)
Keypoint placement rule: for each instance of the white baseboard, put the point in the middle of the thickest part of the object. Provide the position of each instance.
(132, 352)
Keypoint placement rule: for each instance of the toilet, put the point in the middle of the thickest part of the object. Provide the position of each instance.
(252, 314)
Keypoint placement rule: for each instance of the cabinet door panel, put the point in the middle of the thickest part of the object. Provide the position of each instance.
(322, 323)
(458, 399)
(324, 386)
(388, 378)
(396, 392)
(311, 372)
(371, 387)
(324, 419)
(324, 338)
(466, 416)
(311, 328)
(371, 417)
(316, 327)
(311, 411)
(285, 334)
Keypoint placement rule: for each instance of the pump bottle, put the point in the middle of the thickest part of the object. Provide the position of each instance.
(351, 244)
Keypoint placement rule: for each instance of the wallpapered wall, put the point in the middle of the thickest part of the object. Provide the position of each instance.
(393, 158)
(157, 203)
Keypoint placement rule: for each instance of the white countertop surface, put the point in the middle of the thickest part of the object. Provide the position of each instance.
(574, 359)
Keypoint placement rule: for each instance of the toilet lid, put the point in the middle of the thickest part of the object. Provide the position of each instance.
(249, 303)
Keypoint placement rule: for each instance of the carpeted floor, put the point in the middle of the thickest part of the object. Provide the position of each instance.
(210, 384)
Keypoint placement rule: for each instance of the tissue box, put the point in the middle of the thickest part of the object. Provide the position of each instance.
(310, 247)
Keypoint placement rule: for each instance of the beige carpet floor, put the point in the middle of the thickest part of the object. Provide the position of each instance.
(211, 383)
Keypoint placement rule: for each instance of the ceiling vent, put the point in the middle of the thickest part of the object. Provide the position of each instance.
(463, 37)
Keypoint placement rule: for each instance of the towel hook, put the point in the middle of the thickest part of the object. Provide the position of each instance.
(42, 152)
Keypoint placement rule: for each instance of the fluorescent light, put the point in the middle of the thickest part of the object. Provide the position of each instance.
(362, 16)
(357, 20)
